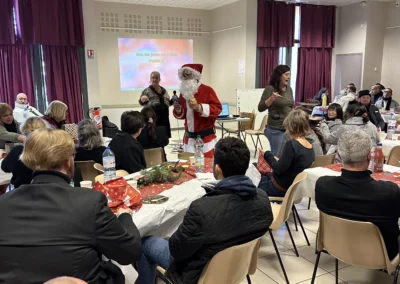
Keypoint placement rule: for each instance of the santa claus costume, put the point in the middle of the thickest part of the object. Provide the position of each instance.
(202, 120)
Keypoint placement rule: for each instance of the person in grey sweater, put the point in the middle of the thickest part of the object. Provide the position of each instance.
(358, 119)
(9, 127)
(277, 98)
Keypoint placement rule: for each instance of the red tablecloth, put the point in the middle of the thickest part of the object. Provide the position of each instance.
(385, 176)
(188, 174)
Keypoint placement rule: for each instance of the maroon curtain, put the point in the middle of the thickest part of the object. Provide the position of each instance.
(15, 73)
(268, 61)
(63, 80)
(275, 24)
(50, 22)
(7, 34)
(317, 26)
(313, 73)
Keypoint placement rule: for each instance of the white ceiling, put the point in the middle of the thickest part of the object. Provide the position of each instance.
(212, 4)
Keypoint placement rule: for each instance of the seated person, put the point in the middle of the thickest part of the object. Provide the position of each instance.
(314, 137)
(129, 154)
(355, 195)
(348, 98)
(334, 120)
(357, 119)
(9, 127)
(372, 111)
(386, 102)
(21, 174)
(23, 110)
(69, 228)
(235, 212)
(297, 155)
(90, 144)
(323, 93)
(152, 136)
(56, 114)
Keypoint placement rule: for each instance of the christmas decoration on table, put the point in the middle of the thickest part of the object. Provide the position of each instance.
(120, 194)
(164, 173)
(384, 176)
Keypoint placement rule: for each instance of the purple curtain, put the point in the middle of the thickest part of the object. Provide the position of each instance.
(63, 80)
(268, 61)
(317, 26)
(15, 73)
(313, 73)
(275, 24)
(7, 34)
(50, 22)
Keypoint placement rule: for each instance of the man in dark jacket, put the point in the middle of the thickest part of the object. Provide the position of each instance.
(373, 112)
(235, 212)
(50, 229)
(376, 92)
(129, 154)
(355, 195)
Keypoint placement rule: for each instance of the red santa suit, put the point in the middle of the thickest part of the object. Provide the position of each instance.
(200, 123)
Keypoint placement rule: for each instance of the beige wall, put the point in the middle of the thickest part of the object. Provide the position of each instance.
(391, 52)
(377, 13)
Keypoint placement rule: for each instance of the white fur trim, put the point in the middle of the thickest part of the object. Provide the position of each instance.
(189, 147)
(197, 74)
(206, 110)
(189, 118)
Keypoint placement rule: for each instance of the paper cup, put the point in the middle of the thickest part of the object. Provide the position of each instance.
(86, 183)
(191, 159)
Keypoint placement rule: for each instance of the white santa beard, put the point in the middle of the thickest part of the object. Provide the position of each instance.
(189, 88)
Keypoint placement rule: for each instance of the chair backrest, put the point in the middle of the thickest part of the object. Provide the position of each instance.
(248, 125)
(185, 155)
(154, 156)
(263, 123)
(287, 203)
(87, 169)
(99, 167)
(394, 157)
(353, 242)
(321, 161)
(119, 173)
(231, 265)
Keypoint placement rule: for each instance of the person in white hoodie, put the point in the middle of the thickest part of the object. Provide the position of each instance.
(23, 110)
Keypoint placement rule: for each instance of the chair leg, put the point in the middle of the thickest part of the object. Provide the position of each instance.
(337, 270)
(294, 218)
(258, 138)
(279, 256)
(301, 225)
(255, 146)
(315, 267)
(396, 274)
(248, 279)
(291, 238)
(309, 203)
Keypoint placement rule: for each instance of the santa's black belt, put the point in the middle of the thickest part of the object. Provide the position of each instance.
(202, 133)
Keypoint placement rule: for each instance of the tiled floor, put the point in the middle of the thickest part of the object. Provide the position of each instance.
(300, 269)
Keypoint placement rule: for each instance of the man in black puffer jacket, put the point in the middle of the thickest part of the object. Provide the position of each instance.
(234, 213)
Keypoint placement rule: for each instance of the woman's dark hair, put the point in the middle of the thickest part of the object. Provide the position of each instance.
(357, 110)
(150, 118)
(131, 122)
(275, 79)
(339, 111)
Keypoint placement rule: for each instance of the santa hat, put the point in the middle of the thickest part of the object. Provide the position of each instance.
(196, 69)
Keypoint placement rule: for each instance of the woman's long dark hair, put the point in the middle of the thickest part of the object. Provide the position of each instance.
(339, 111)
(275, 79)
(150, 118)
(357, 110)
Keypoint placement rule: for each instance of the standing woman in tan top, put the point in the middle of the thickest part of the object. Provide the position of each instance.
(278, 99)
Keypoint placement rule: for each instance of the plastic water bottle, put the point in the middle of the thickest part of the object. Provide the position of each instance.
(379, 158)
(109, 164)
(198, 155)
(391, 129)
(371, 165)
